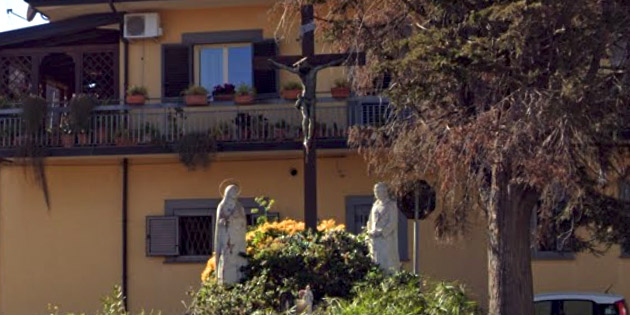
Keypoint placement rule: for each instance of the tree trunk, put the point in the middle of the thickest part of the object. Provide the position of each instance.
(510, 283)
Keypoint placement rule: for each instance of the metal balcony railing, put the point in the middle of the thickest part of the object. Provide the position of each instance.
(155, 124)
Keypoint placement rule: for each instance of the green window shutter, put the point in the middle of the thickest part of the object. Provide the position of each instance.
(162, 237)
(265, 80)
(176, 69)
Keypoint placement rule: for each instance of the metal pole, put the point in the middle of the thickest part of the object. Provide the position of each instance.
(416, 232)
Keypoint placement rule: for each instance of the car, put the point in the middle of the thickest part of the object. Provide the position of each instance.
(579, 303)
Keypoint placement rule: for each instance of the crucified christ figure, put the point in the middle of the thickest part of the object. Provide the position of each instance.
(306, 102)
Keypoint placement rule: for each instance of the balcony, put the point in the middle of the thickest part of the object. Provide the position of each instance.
(157, 128)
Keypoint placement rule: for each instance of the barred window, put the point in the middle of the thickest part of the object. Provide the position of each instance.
(196, 235)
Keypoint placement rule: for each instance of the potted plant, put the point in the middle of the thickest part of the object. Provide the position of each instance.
(291, 90)
(341, 89)
(281, 130)
(196, 95)
(80, 113)
(136, 95)
(223, 92)
(123, 137)
(244, 94)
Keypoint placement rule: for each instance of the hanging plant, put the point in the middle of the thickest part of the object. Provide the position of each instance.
(196, 149)
(34, 110)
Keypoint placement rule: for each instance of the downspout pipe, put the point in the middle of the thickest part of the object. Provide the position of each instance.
(125, 204)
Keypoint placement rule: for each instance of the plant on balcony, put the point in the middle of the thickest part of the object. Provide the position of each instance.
(6, 103)
(150, 134)
(252, 127)
(66, 135)
(80, 114)
(136, 95)
(32, 151)
(224, 92)
(340, 89)
(245, 94)
(223, 131)
(195, 149)
(195, 95)
(122, 137)
(292, 90)
(280, 131)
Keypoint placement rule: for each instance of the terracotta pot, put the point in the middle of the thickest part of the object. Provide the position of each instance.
(244, 99)
(83, 139)
(67, 140)
(223, 97)
(124, 142)
(291, 94)
(340, 92)
(196, 100)
(135, 99)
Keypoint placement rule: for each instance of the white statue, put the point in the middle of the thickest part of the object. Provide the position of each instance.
(229, 237)
(382, 230)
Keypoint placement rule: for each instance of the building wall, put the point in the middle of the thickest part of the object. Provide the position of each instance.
(145, 54)
(71, 254)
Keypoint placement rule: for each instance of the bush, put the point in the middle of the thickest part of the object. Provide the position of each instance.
(113, 304)
(402, 293)
(245, 89)
(138, 90)
(292, 85)
(195, 90)
(284, 258)
(81, 107)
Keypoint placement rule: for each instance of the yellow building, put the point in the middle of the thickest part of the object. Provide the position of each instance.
(124, 210)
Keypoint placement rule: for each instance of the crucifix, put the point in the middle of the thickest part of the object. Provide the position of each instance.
(306, 68)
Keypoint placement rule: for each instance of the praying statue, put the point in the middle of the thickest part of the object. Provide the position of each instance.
(229, 239)
(382, 230)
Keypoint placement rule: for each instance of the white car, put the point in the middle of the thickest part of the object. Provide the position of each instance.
(578, 303)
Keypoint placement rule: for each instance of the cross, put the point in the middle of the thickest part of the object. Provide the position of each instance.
(306, 67)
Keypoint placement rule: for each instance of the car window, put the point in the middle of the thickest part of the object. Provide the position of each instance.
(577, 308)
(543, 308)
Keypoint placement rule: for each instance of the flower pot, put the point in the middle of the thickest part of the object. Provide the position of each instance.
(83, 139)
(196, 100)
(135, 99)
(223, 97)
(67, 140)
(123, 142)
(244, 99)
(340, 92)
(291, 94)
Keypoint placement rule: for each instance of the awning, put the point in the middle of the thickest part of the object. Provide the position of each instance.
(81, 29)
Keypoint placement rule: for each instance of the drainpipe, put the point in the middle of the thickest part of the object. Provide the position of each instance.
(125, 188)
(416, 233)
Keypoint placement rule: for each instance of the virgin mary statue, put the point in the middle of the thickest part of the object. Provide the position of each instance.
(231, 227)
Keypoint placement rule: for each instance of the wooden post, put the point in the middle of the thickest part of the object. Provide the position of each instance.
(310, 153)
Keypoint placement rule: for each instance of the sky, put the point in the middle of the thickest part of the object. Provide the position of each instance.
(9, 21)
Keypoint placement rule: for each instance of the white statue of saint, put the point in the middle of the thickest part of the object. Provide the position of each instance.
(382, 230)
(229, 237)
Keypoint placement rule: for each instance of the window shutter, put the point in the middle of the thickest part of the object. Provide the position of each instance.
(162, 236)
(265, 80)
(176, 69)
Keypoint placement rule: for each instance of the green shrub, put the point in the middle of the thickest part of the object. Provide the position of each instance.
(283, 259)
(402, 293)
(138, 90)
(245, 89)
(195, 90)
(34, 110)
(292, 85)
(113, 304)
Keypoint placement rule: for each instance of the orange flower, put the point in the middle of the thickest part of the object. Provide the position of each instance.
(210, 267)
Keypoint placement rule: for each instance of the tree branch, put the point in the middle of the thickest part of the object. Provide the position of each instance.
(282, 66)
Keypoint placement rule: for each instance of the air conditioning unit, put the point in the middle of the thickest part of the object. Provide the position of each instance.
(142, 25)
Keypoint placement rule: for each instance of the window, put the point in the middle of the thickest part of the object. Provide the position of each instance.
(577, 307)
(624, 195)
(543, 308)
(219, 64)
(358, 212)
(186, 232)
(555, 241)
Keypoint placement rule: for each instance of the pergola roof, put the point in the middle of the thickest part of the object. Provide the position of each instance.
(80, 30)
